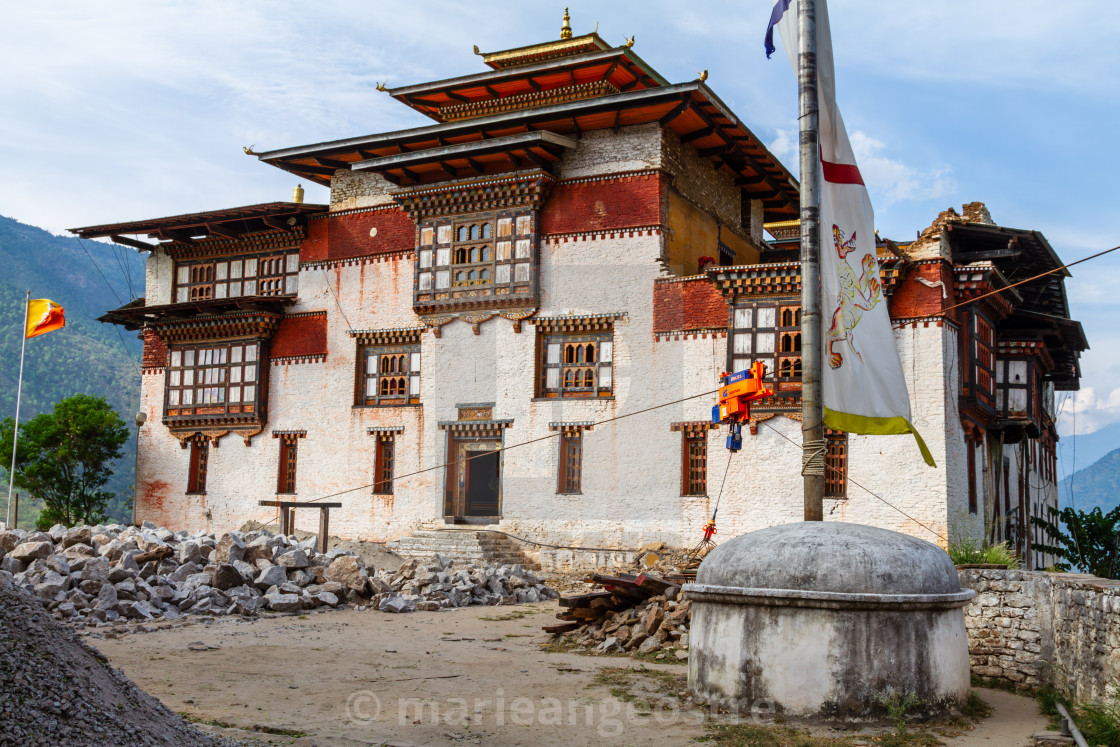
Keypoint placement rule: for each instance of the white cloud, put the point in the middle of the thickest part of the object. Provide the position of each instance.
(891, 180)
(784, 145)
(1086, 411)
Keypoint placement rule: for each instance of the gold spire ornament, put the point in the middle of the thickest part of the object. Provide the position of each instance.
(703, 75)
(381, 86)
(248, 150)
(476, 50)
(630, 41)
(566, 29)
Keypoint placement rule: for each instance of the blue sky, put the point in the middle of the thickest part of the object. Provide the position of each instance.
(118, 111)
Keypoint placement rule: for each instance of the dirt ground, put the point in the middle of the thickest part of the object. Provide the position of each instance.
(476, 675)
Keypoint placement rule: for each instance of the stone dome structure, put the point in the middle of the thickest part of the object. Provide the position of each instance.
(831, 557)
(828, 620)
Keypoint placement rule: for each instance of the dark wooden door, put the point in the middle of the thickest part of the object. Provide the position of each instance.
(482, 483)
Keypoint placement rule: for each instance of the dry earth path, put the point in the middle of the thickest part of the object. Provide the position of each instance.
(475, 675)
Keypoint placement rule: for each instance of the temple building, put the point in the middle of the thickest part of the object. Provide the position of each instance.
(475, 329)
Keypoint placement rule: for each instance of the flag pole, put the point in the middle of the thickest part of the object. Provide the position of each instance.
(19, 393)
(812, 427)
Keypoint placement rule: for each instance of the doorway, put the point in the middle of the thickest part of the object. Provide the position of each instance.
(474, 481)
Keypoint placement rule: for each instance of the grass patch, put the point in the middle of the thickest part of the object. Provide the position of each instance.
(755, 735)
(1098, 721)
(968, 551)
(515, 615)
(260, 728)
(647, 689)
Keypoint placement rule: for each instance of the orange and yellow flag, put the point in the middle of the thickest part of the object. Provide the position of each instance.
(43, 315)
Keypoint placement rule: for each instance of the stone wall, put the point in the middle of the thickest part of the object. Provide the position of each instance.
(1033, 629)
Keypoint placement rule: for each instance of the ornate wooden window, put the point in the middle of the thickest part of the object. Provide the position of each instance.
(694, 480)
(215, 379)
(286, 473)
(1016, 388)
(980, 356)
(577, 365)
(836, 465)
(769, 331)
(972, 502)
(383, 464)
(270, 274)
(196, 477)
(390, 374)
(571, 461)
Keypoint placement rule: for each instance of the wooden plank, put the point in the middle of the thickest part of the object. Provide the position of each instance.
(584, 600)
(654, 585)
(563, 627)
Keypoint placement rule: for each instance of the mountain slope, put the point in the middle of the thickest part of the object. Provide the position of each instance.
(1078, 452)
(1096, 486)
(87, 279)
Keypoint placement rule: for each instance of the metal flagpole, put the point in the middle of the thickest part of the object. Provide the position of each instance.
(19, 393)
(812, 428)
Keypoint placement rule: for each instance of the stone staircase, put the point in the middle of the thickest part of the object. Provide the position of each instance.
(475, 547)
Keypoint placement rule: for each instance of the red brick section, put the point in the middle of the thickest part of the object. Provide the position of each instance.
(688, 304)
(300, 336)
(612, 203)
(155, 352)
(348, 235)
(912, 299)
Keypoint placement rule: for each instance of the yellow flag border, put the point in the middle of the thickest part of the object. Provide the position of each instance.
(849, 423)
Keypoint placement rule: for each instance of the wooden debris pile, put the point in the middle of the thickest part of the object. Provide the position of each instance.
(640, 614)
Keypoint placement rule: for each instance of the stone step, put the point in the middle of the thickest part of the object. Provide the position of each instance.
(475, 547)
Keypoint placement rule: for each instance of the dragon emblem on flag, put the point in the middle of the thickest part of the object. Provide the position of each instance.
(856, 296)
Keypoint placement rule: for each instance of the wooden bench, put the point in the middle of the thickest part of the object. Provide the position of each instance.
(287, 517)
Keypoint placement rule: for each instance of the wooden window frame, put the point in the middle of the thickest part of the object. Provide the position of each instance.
(835, 465)
(384, 463)
(409, 378)
(572, 368)
(973, 504)
(286, 471)
(274, 273)
(694, 463)
(196, 471)
(212, 383)
(570, 474)
(784, 363)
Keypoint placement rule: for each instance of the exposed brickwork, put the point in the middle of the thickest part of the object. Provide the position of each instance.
(155, 352)
(615, 202)
(301, 336)
(691, 304)
(347, 235)
(914, 299)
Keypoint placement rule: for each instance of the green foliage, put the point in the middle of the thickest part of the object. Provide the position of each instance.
(85, 356)
(65, 458)
(1089, 541)
(1098, 721)
(969, 551)
(897, 704)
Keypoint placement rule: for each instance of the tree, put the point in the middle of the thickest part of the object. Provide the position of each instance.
(65, 457)
(1092, 542)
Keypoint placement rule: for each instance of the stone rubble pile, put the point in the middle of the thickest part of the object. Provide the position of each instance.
(641, 614)
(102, 574)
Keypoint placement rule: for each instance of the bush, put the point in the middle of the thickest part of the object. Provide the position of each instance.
(969, 551)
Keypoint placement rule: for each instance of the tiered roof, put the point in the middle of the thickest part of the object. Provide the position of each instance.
(531, 106)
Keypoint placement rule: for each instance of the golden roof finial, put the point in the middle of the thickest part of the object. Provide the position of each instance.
(248, 150)
(476, 50)
(630, 41)
(381, 86)
(566, 29)
(703, 74)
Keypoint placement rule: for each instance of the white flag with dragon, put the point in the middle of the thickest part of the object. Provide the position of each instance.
(864, 390)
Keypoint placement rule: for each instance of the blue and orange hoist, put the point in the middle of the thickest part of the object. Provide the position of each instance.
(736, 392)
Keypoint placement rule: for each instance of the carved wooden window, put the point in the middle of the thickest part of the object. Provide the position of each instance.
(571, 461)
(196, 477)
(390, 374)
(694, 461)
(475, 256)
(577, 365)
(213, 379)
(981, 359)
(1015, 386)
(272, 274)
(836, 465)
(769, 331)
(972, 502)
(286, 476)
(383, 464)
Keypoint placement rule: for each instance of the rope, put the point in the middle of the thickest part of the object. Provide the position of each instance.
(721, 484)
(812, 457)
